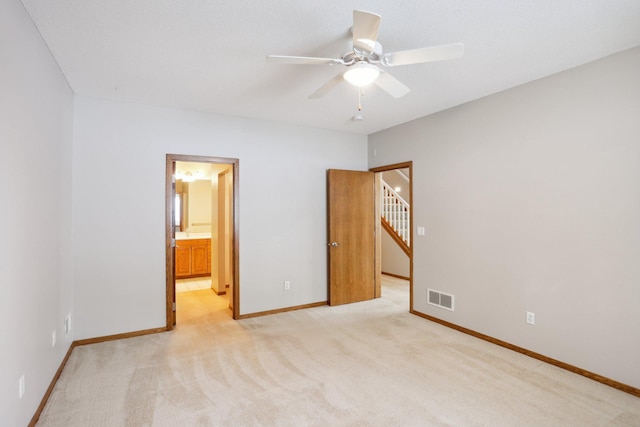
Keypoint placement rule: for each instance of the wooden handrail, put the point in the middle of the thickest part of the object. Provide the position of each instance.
(403, 245)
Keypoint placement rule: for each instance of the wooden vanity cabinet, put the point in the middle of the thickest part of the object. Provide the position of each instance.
(193, 258)
(183, 259)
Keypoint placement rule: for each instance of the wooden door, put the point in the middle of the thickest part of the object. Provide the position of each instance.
(170, 234)
(351, 232)
(226, 232)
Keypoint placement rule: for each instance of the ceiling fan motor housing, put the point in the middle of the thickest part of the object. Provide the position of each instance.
(357, 55)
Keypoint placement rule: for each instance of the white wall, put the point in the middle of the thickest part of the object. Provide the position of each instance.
(394, 260)
(36, 117)
(119, 167)
(531, 201)
(199, 210)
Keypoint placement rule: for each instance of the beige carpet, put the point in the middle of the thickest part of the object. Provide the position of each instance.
(365, 364)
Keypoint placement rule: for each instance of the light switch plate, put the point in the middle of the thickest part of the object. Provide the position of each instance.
(531, 318)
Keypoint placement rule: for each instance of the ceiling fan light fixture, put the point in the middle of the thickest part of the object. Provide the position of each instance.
(361, 74)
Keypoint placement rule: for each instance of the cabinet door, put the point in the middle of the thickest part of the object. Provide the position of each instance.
(199, 262)
(183, 260)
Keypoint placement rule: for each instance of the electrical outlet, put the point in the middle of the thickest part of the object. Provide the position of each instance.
(531, 318)
(287, 285)
(53, 338)
(21, 388)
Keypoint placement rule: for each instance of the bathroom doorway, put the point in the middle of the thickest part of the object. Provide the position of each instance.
(201, 229)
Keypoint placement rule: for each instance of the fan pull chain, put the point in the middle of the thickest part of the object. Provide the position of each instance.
(360, 95)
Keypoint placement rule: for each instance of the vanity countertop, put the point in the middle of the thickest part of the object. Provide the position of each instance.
(181, 235)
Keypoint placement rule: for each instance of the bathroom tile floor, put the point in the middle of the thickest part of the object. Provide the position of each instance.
(193, 284)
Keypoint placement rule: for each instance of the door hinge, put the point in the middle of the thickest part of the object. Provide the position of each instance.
(173, 243)
(174, 306)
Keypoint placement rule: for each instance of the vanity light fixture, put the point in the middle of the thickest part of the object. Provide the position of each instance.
(188, 177)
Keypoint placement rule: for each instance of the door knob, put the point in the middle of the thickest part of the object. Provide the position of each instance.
(334, 244)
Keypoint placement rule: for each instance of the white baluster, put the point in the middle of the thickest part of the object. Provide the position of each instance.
(396, 212)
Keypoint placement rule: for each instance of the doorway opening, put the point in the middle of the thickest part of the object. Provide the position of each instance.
(201, 228)
(394, 246)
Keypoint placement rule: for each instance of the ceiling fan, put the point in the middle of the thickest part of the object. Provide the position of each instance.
(364, 62)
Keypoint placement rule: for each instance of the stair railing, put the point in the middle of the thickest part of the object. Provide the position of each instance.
(395, 211)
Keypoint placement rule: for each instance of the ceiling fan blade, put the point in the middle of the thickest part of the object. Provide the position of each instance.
(391, 85)
(327, 87)
(426, 54)
(301, 60)
(365, 30)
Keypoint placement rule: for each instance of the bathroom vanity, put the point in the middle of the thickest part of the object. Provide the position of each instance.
(193, 256)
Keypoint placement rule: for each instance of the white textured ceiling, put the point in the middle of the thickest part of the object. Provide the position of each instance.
(210, 55)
